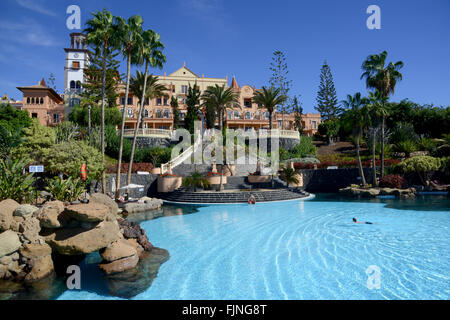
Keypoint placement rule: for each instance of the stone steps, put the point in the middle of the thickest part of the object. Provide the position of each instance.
(181, 195)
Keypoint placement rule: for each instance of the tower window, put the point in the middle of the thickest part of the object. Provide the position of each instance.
(42, 101)
(72, 84)
(75, 65)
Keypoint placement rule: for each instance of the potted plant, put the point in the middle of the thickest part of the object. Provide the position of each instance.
(214, 178)
(169, 182)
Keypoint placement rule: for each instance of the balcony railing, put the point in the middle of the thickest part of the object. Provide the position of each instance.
(149, 132)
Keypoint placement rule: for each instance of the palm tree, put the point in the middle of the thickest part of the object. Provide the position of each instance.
(130, 36)
(150, 52)
(269, 98)
(101, 34)
(289, 175)
(220, 98)
(195, 180)
(376, 110)
(383, 78)
(354, 117)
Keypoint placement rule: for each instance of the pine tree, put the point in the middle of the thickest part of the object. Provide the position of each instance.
(327, 102)
(193, 106)
(92, 93)
(297, 109)
(279, 79)
(51, 81)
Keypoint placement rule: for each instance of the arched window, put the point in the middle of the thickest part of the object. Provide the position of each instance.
(248, 115)
(78, 85)
(166, 113)
(32, 100)
(158, 113)
(145, 113)
(236, 114)
(72, 84)
(229, 114)
(42, 101)
(28, 100)
(267, 116)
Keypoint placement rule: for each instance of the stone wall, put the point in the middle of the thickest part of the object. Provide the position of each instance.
(324, 180)
(148, 181)
(148, 142)
(285, 143)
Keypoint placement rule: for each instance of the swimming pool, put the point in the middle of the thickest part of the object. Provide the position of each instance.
(301, 250)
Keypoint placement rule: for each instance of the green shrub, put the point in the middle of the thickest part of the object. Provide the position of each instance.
(67, 158)
(65, 190)
(14, 183)
(13, 119)
(421, 165)
(403, 132)
(304, 148)
(427, 144)
(112, 141)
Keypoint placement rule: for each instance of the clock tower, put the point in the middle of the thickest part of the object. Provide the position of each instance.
(77, 59)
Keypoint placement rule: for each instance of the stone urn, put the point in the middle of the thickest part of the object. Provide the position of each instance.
(214, 167)
(156, 170)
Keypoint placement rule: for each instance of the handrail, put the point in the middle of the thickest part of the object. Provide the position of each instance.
(181, 157)
(148, 132)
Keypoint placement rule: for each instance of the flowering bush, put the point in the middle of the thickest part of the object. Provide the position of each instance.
(213, 174)
(168, 175)
(393, 181)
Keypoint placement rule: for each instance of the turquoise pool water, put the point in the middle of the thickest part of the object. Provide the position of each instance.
(300, 250)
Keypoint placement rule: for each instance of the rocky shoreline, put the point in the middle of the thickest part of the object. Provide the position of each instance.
(37, 245)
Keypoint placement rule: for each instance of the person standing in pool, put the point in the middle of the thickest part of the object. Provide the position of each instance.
(361, 222)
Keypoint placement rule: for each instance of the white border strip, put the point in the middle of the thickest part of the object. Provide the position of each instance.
(311, 196)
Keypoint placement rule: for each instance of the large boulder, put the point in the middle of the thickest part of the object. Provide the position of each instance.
(30, 228)
(7, 208)
(120, 265)
(134, 207)
(51, 215)
(42, 267)
(118, 250)
(134, 231)
(25, 210)
(9, 242)
(87, 212)
(75, 241)
(101, 198)
(35, 251)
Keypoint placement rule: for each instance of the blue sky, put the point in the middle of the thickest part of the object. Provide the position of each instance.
(231, 37)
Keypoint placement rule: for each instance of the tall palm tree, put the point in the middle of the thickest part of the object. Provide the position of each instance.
(383, 78)
(130, 37)
(269, 98)
(376, 110)
(354, 117)
(150, 52)
(101, 34)
(220, 98)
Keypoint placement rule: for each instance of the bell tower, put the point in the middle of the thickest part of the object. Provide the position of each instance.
(77, 59)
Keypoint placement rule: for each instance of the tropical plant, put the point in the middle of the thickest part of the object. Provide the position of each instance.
(219, 99)
(130, 38)
(427, 144)
(354, 117)
(14, 182)
(80, 116)
(290, 176)
(330, 129)
(69, 189)
(102, 34)
(406, 147)
(269, 99)
(304, 148)
(421, 165)
(195, 180)
(383, 78)
(403, 131)
(149, 53)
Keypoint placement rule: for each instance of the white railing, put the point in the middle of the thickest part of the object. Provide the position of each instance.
(149, 132)
(293, 134)
(181, 157)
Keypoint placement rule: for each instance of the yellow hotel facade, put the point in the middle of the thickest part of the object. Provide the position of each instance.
(158, 112)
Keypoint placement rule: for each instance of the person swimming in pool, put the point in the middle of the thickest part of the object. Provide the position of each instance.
(361, 222)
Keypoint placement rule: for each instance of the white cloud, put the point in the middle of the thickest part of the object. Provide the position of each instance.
(35, 6)
(26, 32)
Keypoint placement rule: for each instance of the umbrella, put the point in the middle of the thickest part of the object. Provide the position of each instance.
(113, 185)
(132, 186)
